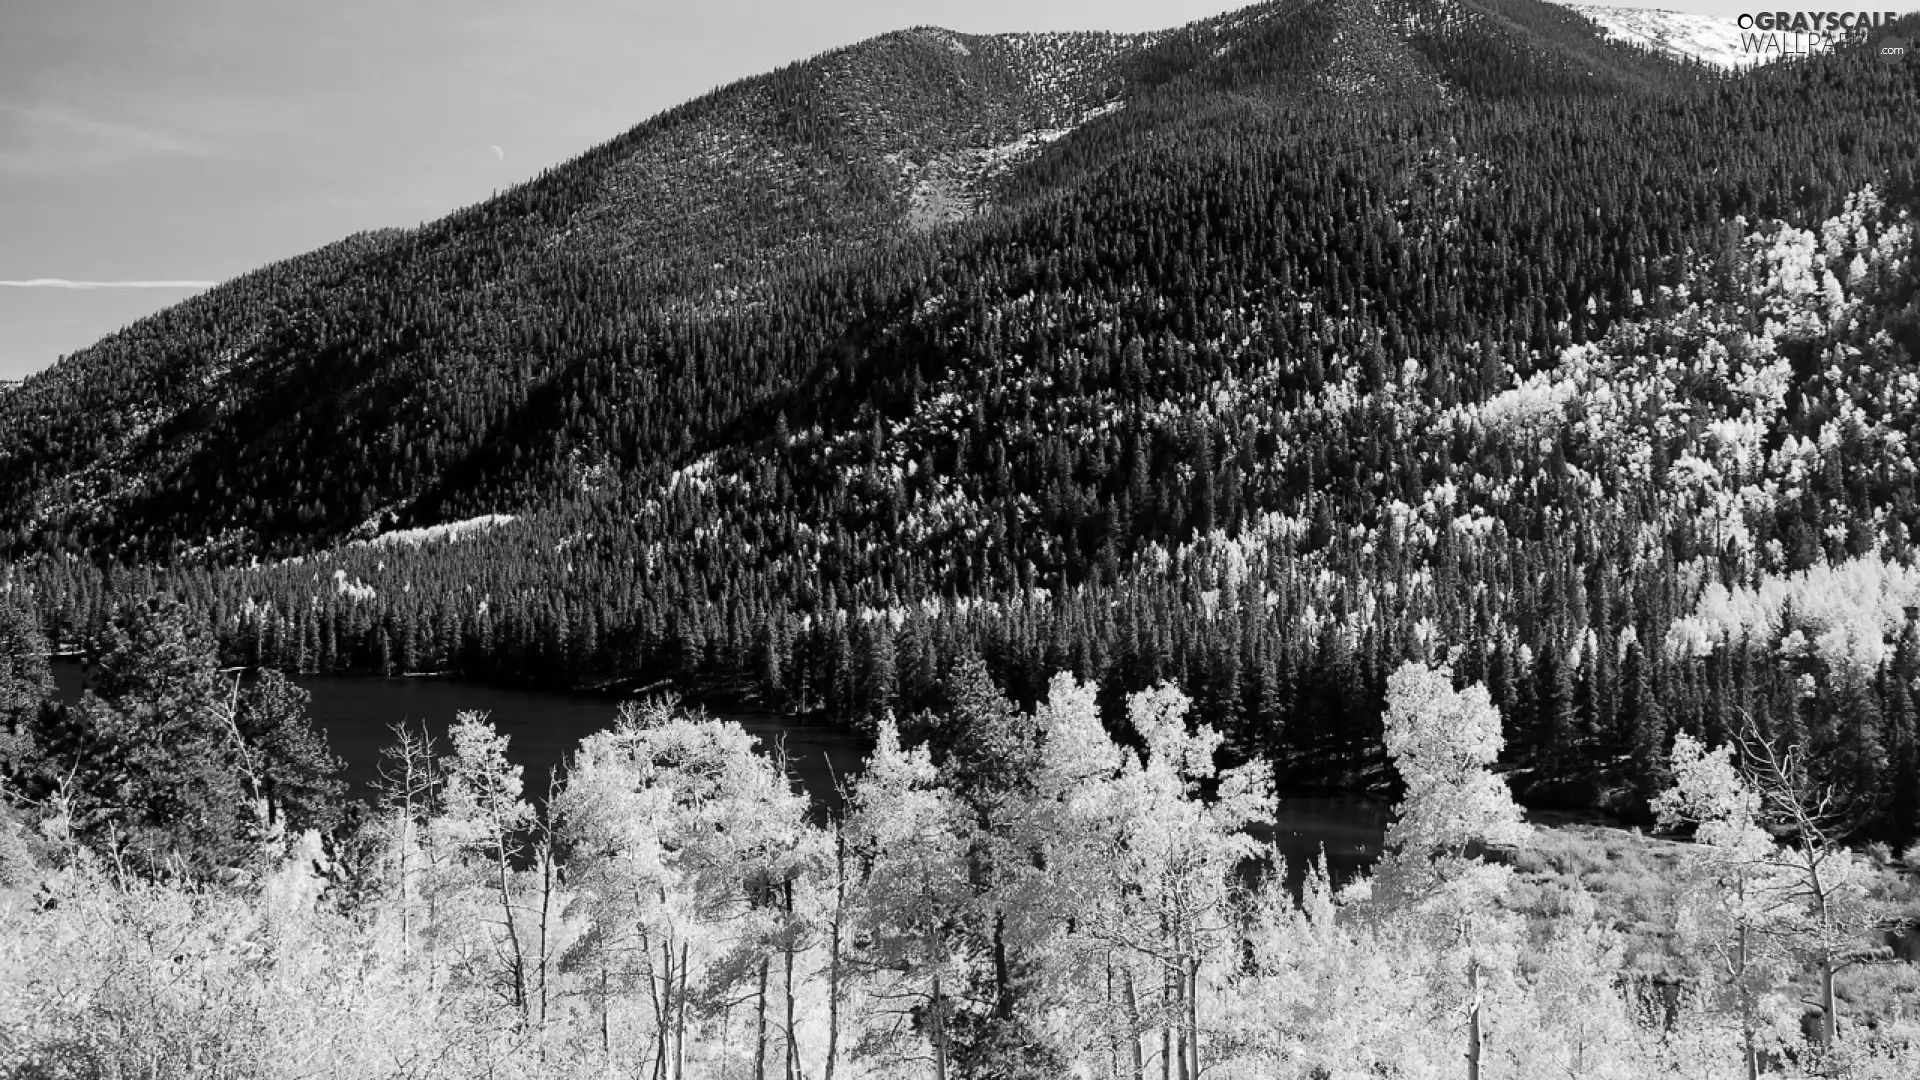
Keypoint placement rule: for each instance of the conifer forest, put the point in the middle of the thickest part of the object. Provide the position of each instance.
(1443, 401)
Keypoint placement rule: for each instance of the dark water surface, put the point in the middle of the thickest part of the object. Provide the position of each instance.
(358, 714)
(1349, 828)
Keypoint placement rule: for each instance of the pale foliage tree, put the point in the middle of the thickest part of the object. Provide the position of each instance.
(410, 787)
(1071, 813)
(1771, 835)
(1571, 1019)
(1734, 918)
(106, 974)
(1119, 883)
(764, 863)
(1443, 744)
(908, 839)
(687, 846)
(1326, 996)
(1446, 902)
(714, 932)
(486, 820)
(1171, 859)
(1134, 876)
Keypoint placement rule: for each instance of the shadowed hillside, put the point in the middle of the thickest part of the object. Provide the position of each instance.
(1257, 355)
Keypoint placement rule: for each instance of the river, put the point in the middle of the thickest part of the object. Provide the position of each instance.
(358, 714)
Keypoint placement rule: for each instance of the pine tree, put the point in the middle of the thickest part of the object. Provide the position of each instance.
(149, 758)
(1903, 774)
(878, 673)
(26, 683)
(1649, 733)
(289, 755)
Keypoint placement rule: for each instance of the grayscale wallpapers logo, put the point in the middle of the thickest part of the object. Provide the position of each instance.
(1778, 35)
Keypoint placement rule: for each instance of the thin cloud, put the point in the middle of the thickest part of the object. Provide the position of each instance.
(65, 283)
(49, 140)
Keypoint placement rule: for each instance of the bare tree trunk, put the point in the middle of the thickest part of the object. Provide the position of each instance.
(1193, 1019)
(259, 788)
(432, 918)
(546, 924)
(760, 1025)
(680, 1020)
(1473, 1022)
(793, 1045)
(406, 882)
(833, 946)
(1177, 984)
(606, 1027)
(1169, 1003)
(1002, 976)
(416, 780)
(1133, 1027)
(652, 1052)
(939, 1032)
(409, 791)
(660, 1044)
(660, 987)
(1473, 1043)
(794, 1065)
(516, 957)
(1747, 1022)
(1166, 1044)
(1829, 1006)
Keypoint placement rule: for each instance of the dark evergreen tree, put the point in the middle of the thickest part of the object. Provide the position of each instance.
(146, 760)
(26, 683)
(287, 756)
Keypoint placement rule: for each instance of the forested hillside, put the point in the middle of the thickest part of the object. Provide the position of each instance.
(1259, 356)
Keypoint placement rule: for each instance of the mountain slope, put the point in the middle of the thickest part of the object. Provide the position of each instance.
(1257, 356)
(373, 385)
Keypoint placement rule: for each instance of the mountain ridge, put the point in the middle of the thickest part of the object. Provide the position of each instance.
(1252, 384)
(775, 173)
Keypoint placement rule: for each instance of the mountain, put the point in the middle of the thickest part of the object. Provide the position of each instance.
(747, 197)
(1256, 355)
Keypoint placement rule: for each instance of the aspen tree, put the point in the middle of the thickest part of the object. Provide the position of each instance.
(1443, 743)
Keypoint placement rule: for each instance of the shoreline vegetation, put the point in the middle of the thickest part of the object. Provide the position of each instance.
(1005, 891)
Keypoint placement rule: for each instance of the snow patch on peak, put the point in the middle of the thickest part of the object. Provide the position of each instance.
(1710, 39)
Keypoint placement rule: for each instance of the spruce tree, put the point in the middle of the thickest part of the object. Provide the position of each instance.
(26, 683)
(148, 757)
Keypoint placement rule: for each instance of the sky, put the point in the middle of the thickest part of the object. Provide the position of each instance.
(148, 150)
